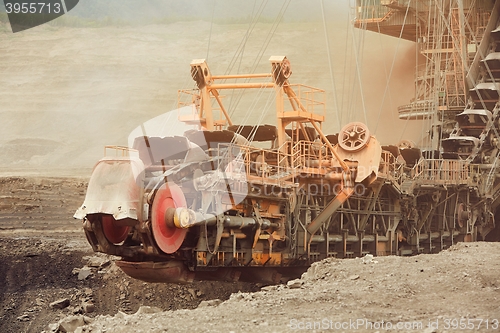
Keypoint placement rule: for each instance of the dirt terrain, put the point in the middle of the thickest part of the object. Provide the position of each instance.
(40, 204)
(46, 259)
(425, 293)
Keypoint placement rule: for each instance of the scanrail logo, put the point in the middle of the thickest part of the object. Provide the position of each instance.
(26, 14)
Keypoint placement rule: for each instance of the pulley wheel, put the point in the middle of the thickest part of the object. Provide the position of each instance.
(404, 144)
(168, 239)
(286, 68)
(114, 233)
(354, 136)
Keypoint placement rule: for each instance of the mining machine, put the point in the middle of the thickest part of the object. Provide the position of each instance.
(211, 199)
(453, 190)
(224, 201)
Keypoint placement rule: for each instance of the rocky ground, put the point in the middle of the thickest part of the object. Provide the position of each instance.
(51, 281)
(37, 204)
(456, 290)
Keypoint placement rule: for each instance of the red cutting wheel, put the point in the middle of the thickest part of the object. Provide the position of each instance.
(168, 239)
(114, 233)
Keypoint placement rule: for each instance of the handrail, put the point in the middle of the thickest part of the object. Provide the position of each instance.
(307, 95)
(442, 170)
(373, 18)
(119, 150)
(276, 164)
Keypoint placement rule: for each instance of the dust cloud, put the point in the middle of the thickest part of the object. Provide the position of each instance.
(86, 80)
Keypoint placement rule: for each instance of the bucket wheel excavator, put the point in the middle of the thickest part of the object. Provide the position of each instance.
(211, 203)
(196, 196)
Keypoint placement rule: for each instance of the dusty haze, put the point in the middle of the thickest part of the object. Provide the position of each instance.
(71, 87)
